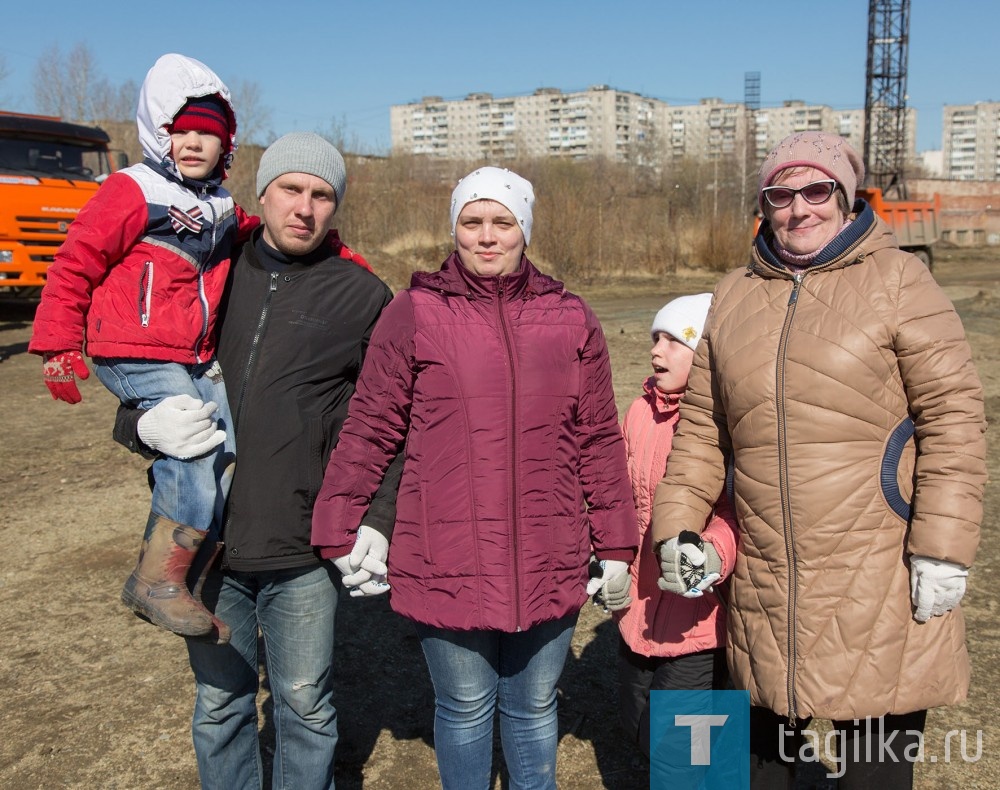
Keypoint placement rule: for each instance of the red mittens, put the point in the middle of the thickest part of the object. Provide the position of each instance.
(60, 371)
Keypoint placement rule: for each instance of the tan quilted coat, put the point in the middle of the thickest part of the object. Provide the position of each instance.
(809, 382)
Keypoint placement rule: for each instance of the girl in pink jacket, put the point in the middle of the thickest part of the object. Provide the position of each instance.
(669, 640)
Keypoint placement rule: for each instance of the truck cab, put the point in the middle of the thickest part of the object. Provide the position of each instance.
(48, 170)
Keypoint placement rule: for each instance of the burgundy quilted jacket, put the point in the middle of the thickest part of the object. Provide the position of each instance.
(500, 390)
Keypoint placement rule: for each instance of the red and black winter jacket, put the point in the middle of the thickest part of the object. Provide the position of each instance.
(142, 271)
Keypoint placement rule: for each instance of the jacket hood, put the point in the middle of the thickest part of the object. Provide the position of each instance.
(171, 81)
(453, 278)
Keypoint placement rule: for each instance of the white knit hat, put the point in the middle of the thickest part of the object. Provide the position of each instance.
(501, 185)
(683, 318)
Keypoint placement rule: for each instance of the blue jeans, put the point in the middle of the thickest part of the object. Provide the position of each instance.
(470, 670)
(295, 611)
(193, 491)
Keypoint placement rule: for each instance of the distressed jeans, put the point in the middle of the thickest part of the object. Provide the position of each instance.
(473, 671)
(295, 611)
(192, 491)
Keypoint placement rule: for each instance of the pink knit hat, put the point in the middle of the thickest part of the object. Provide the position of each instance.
(827, 152)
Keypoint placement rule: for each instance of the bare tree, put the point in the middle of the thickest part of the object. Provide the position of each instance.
(253, 118)
(72, 87)
(81, 76)
(253, 121)
(48, 81)
(114, 102)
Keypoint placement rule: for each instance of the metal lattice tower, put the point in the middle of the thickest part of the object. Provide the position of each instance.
(751, 101)
(885, 95)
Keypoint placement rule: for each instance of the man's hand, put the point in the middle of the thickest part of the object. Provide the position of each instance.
(936, 586)
(181, 426)
(688, 565)
(364, 569)
(60, 371)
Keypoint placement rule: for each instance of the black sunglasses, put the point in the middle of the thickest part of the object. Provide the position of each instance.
(815, 193)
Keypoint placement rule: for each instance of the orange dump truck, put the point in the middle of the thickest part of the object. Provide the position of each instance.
(915, 222)
(48, 170)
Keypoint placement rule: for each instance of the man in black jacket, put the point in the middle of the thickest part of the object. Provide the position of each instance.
(294, 329)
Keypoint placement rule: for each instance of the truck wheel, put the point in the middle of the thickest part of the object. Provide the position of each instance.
(925, 256)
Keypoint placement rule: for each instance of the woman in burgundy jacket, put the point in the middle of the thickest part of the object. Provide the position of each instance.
(496, 382)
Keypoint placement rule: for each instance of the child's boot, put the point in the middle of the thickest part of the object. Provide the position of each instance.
(156, 590)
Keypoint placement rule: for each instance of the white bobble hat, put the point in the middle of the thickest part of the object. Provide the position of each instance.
(683, 318)
(501, 185)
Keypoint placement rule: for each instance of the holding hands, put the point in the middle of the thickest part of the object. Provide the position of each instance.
(364, 569)
(609, 584)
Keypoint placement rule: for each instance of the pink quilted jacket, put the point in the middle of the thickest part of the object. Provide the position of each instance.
(661, 623)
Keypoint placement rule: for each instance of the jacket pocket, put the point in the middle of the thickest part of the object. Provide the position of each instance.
(145, 293)
(897, 458)
(425, 526)
(323, 433)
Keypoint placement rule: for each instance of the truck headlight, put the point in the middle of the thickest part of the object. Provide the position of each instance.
(6, 256)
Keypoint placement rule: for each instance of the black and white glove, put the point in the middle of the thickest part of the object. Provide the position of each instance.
(936, 586)
(181, 426)
(688, 565)
(609, 584)
(364, 569)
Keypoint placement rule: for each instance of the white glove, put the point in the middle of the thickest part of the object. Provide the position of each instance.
(364, 569)
(613, 572)
(688, 566)
(181, 426)
(936, 586)
(612, 586)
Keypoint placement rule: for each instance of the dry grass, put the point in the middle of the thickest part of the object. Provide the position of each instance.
(595, 221)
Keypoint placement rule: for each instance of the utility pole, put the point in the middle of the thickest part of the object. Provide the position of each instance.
(885, 95)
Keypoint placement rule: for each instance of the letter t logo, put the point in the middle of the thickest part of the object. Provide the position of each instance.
(701, 731)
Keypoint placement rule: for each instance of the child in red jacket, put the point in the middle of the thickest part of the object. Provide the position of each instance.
(669, 639)
(140, 278)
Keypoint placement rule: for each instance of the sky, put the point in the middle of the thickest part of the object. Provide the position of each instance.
(327, 65)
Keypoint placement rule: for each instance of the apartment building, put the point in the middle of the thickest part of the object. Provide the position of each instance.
(708, 130)
(971, 141)
(600, 121)
(603, 121)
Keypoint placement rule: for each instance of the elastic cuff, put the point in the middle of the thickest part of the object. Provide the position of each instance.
(623, 555)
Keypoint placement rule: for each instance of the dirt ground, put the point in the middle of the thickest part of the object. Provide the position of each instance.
(97, 699)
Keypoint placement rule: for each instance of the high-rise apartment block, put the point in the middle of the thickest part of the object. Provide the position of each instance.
(597, 122)
(605, 122)
(971, 141)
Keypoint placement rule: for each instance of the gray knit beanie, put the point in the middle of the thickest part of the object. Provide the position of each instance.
(303, 152)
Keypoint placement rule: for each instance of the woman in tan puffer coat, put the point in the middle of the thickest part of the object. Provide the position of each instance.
(835, 376)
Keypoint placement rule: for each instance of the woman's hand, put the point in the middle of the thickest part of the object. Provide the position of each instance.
(936, 586)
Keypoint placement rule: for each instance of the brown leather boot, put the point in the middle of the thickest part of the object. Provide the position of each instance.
(156, 590)
(203, 566)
